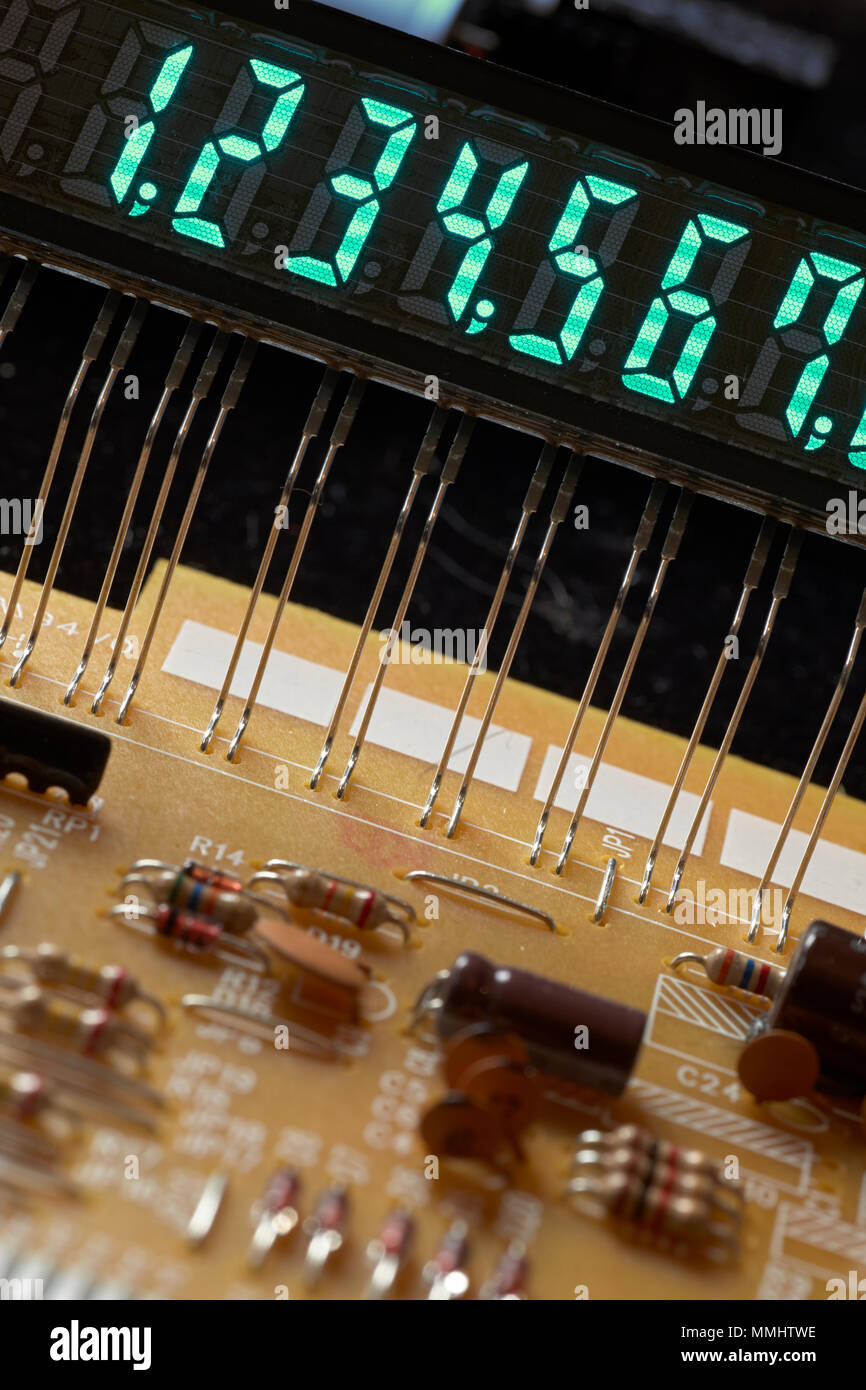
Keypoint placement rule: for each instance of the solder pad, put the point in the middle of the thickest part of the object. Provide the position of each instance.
(236, 1103)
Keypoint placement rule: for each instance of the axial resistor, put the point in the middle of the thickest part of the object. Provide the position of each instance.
(112, 984)
(363, 907)
(655, 1206)
(90, 1031)
(657, 1185)
(725, 966)
(190, 929)
(197, 889)
(641, 1144)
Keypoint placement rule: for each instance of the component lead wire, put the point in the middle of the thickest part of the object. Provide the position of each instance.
(531, 503)
(821, 817)
(423, 463)
(604, 892)
(119, 359)
(558, 513)
(310, 431)
(18, 299)
(642, 538)
(339, 434)
(752, 579)
(781, 589)
(227, 404)
(92, 349)
(200, 390)
(450, 469)
(669, 552)
(172, 381)
(809, 769)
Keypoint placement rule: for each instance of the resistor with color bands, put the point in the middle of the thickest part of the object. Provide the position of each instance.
(725, 966)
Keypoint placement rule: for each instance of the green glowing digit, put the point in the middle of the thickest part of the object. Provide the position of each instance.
(159, 96)
(240, 147)
(686, 303)
(475, 230)
(834, 325)
(568, 261)
(355, 189)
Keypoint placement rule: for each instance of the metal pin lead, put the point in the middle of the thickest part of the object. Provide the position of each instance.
(809, 769)
(339, 434)
(18, 299)
(604, 892)
(92, 349)
(8, 886)
(558, 513)
(227, 404)
(173, 379)
(450, 470)
(530, 505)
(477, 890)
(669, 551)
(311, 429)
(277, 1215)
(421, 467)
(207, 1209)
(781, 588)
(642, 538)
(327, 1231)
(751, 581)
(119, 359)
(821, 817)
(317, 1044)
(200, 390)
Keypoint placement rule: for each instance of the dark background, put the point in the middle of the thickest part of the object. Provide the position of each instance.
(624, 51)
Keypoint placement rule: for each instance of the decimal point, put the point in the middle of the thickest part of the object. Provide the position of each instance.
(148, 192)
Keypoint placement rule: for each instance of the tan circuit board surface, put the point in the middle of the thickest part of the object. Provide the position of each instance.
(234, 1102)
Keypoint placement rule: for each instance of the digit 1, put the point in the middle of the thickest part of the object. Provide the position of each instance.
(687, 303)
(568, 262)
(159, 96)
(354, 188)
(236, 146)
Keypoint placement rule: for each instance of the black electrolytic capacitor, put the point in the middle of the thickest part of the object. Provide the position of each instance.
(567, 1033)
(823, 998)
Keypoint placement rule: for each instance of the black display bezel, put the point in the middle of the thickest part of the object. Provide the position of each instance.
(786, 489)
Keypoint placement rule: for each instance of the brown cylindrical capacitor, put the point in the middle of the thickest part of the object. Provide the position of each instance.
(823, 998)
(548, 1017)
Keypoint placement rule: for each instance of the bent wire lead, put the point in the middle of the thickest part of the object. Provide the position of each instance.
(339, 435)
(558, 513)
(423, 463)
(228, 402)
(311, 429)
(531, 504)
(450, 469)
(752, 579)
(670, 549)
(642, 538)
